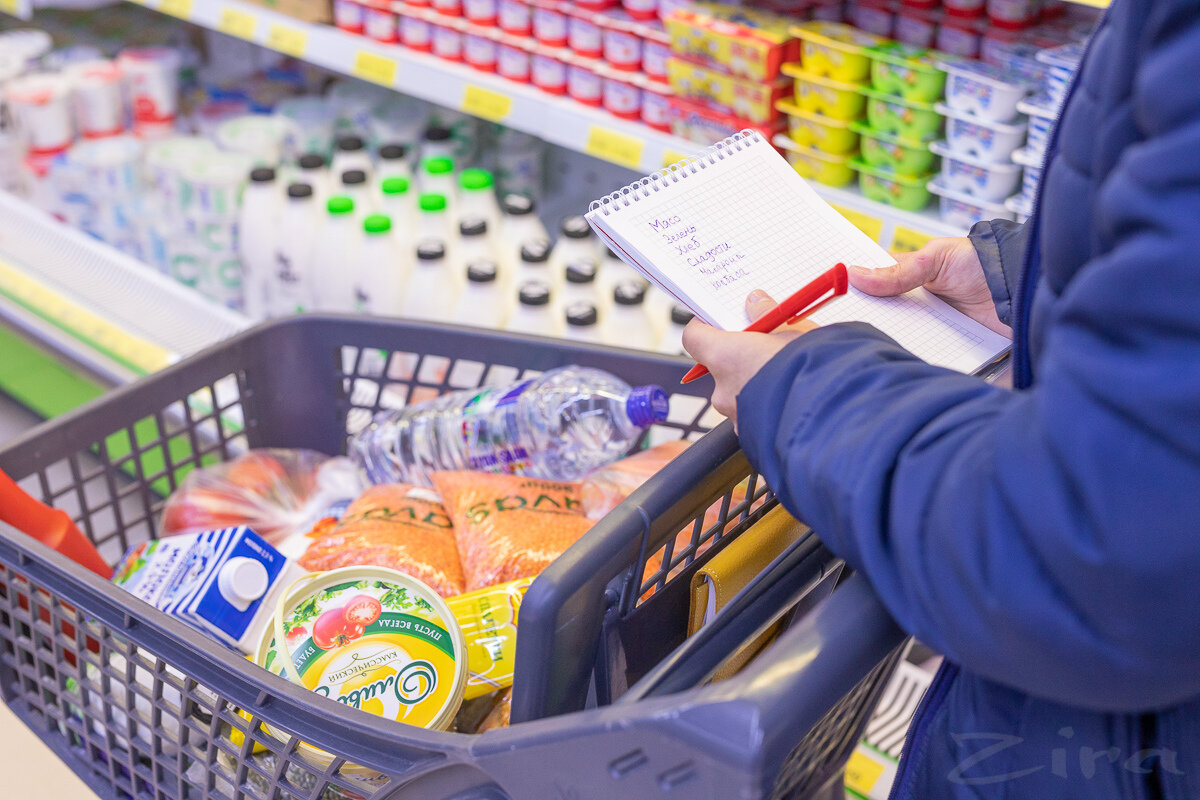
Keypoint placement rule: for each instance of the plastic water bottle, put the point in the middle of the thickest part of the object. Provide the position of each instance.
(482, 302)
(291, 291)
(333, 288)
(258, 220)
(381, 269)
(671, 342)
(583, 323)
(432, 291)
(628, 323)
(559, 426)
(534, 313)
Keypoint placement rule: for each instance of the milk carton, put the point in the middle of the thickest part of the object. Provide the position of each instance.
(225, 582)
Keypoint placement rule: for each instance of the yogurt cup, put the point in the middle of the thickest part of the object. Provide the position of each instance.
(915, 27)
(962, 210)
(835, 50)
(982, 89)
(983, 139)
(447, 43)
(42, 108)
(96, 90)
(480, 52)
(984, 180)
(584, 85)
(449, 8)
(958, 37)
(372, 639)
(622, 50)
(1013, 14)
(550, 26)
(548, 73)
(416, 34)
(480, 12)
(644, 10)
(349, 16)
(656, 109)
(654, 59)
(28, 45)
(584, 37)
(381, 25)
(514, 17)
(877, 20)
(622, 99)
(513, 63)
(152, 79)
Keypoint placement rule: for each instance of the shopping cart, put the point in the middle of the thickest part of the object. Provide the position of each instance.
(609, 699)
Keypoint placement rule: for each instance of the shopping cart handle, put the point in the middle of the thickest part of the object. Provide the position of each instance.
(50, 526)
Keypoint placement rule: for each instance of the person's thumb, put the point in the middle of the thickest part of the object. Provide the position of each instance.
(758, 303)
(910, 271)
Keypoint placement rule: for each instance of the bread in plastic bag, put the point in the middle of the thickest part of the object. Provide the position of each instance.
(279, 493)
(393, 525)
(509, 526)
(607, 487)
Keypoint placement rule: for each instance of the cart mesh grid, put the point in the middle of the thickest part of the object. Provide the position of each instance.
(143, 707)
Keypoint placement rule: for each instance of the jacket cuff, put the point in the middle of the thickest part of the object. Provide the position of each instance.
(1000, 246)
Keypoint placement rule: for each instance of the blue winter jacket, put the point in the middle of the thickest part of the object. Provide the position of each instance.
(1046, 539)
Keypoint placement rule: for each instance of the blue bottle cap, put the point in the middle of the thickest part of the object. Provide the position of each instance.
(646, 405)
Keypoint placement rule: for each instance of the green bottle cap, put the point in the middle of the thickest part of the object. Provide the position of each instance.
(377, 223)
(340, 205)
(438, 166)
(395, 185)
(432, 202)
(475, 179)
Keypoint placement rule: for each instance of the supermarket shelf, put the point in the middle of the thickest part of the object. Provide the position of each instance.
(96, 307)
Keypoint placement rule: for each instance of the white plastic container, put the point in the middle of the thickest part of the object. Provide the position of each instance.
(983, 89)
(475, 242)
(96, 86)
(380, 271)
(432, 291)
(975, 177)
(333, 290)
(628, 322)
(581, 284)
(969, 135)
(582, 323)
(291, 288)
(1043, 112)
(534, 312)
(483, 301)
(534, 264)
(41, 104)
(258, 220)
(962, 210)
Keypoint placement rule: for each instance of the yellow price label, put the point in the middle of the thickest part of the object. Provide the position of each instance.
(674, 157)
(480, 102)
(906, 240)
(177, 8)
(237, 23)
(9, 7)
(374, 68)
(862, 772)
(618, 148)
(74, 318)
(287, 40)
(871, 226)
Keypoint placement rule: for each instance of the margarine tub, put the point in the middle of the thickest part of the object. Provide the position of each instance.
(372, 639)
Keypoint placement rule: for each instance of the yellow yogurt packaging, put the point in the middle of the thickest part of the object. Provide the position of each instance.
(372, 639)
(488, 618)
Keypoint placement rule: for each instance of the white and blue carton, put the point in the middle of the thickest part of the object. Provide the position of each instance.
(226, 582)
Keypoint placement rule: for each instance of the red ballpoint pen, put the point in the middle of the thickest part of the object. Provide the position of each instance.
(825, 287)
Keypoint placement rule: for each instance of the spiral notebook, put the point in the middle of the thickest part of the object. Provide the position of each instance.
(710, 229)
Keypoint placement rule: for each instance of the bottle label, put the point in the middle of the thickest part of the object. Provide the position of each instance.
(489, 452)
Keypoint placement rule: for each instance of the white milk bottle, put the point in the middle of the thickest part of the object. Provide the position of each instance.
(534, 312)
(311, 169)
(483, 300)
(381, 270)
(333, 284)
(580, 285)
(432, 291)
(671, 342)
(392, 163)
(474, 243)
(258, 226)
(355, 186)
(534, 263)
(628, 324)
(520, 221)
(477, 197)
(350, 153)
(438, 140)
(398, 204)
(437, 177)
(291, 291)
(583, 323)
(575, 242)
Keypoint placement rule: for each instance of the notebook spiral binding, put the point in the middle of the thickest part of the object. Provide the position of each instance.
(674, 173)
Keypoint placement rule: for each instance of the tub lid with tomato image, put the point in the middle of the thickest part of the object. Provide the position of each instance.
(373, 639)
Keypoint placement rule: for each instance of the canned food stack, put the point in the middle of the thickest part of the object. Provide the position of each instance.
(983, 129)
(725, 69)
(598, 53)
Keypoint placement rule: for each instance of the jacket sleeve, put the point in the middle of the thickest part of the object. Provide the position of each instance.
(1046, 539)
(1000, 245)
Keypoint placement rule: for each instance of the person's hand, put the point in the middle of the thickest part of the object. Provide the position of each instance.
(947, 267)
(733, 357)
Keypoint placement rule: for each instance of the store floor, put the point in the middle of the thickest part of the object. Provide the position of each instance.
(28, 766)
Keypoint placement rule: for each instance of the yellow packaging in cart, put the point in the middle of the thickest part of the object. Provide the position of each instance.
(753, 101)
(740, 41)
(488, 618)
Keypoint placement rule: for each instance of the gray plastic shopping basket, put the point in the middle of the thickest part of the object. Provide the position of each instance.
(609, 701)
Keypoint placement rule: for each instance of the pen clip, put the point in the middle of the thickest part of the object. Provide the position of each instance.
(830, 284)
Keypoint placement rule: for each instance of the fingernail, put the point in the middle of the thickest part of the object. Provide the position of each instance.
(757, 296)
(862, 270)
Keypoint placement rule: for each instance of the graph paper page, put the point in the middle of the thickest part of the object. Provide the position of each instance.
(748, 221)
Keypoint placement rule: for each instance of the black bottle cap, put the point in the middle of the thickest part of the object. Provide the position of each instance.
(681, 315)
(581, 272)
(350, 144)
(482, 271)
(536, 251)
(311, 161)
(516, 204)
(628, 293)
(353, 177)
(534, 293)
(262, 175)
(575, 228)
(392, 152)
(438, 133)
(299, 190)
(581, 314)
(473, 226)
(430, 250)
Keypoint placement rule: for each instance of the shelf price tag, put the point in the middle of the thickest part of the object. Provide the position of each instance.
(905, 240)
(618, 148)
(374, 68)
(9, 7)
(480, 102)
(237, 23)
(287, 40)
(862, 772)
(177, 8)
(871, 226)
(673, 157)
